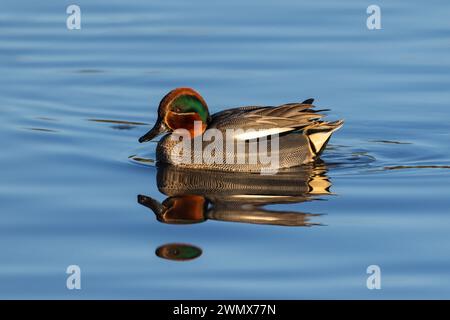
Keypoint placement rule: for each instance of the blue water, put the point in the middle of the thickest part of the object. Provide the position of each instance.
(69, 182)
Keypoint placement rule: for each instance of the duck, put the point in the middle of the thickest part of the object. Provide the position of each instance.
(293, 132)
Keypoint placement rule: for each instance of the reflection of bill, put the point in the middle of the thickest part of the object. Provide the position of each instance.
(195, 196)
(178, 252)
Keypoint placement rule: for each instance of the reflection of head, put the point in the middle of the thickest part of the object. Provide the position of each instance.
(177, 210)
(178, 252)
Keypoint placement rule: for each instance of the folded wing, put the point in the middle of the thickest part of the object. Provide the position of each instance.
(257, 122)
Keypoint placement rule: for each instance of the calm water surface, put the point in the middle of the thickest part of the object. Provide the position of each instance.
(73, 103)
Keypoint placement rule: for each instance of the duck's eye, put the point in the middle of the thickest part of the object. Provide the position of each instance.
(177, 109)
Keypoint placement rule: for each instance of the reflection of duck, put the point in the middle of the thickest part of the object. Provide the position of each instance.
(195, 196)
(302, 135)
